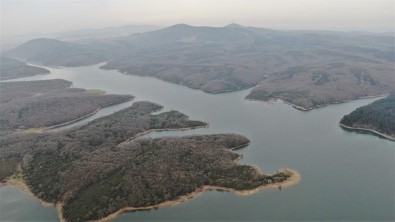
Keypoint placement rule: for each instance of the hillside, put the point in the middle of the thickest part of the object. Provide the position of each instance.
(55, 53)
(316, 68)
(12, 68)
(308, 87)
(46, 103)
(307, 68)
(378, 116)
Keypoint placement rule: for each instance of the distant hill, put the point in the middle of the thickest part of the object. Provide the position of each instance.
(333, 66)
(186, 34)
(309, 69)
(103, 33)
(55, 52)
(78, 36)
(12, 68)
(378, 116)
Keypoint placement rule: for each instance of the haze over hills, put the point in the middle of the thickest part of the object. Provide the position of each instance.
(306, 68)
(81, 35)
(103, 33)
(12, 68)
(55, 52)
(103, 116)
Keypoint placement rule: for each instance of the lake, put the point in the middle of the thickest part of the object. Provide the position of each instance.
(345, 176)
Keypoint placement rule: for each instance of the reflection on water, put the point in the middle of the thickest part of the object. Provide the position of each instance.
(345, 175)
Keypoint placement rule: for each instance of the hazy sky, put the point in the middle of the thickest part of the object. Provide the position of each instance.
(38, 16)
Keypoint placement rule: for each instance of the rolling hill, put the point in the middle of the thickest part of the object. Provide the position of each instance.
(56, 53)
(309, 69)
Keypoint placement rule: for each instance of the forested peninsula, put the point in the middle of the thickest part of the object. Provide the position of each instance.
(99, 169)
(377, 117)
(11, 68)
(48, 103)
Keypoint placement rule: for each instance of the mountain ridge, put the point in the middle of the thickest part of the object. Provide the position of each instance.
(307, 69)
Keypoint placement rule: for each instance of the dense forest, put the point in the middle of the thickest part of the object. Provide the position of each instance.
(46, 103)
(99, 168)
(163, 169)
(378, 116)
(104, 133)
(12, 68)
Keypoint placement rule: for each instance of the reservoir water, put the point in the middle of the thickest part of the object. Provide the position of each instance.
(345, 176)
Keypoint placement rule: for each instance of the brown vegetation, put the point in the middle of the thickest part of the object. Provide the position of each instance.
(307, 68)
(310, 87)
(12, 68)
(47, 103)
(96, 170)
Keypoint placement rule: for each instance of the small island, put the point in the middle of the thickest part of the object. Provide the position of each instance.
(101, 169)
(377, 118)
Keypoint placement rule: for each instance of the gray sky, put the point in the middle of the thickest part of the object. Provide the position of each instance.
(38, 16)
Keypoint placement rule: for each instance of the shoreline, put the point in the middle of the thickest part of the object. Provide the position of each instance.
(294, 179)
(49, 128)
(10, 79)
(374, 132)
(223, 91)
(87, 115)
(316, 107)
(22, 186)
(285, 102)
(180, 83)
(277, 99)
(159, 130)
(301, 108)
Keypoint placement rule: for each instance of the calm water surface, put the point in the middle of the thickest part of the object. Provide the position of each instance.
(345, 176)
